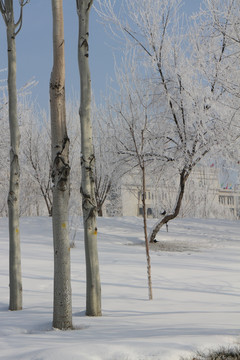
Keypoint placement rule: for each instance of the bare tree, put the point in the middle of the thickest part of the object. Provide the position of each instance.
(220, 20)
(13, 28)
(36, 149)
(62, 311)
(130, 124)
(103, 186)
(107, 167)
(29, 200)
(89, 206)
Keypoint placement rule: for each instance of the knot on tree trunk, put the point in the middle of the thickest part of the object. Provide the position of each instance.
(60, 173)
(12, 198)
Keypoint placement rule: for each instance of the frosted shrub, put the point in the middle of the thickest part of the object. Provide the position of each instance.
(219, 354)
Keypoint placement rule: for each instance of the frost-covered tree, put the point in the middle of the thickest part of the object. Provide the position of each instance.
(12, 29)
(89, 206)
(131, 127)
(220, 20)
(62, 307)
(194, 107)
(36, 157)
(36, 154)
(29, 197)
(103, 179)
(108, 170)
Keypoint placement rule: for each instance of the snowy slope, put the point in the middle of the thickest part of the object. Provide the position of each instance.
(196, 293)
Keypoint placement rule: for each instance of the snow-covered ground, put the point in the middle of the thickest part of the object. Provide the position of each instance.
(196, 292)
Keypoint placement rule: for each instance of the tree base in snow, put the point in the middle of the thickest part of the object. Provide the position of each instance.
(173, 246)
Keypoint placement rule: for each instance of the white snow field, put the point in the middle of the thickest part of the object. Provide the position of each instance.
(196, 293)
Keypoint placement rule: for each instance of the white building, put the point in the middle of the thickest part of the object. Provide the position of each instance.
(229, 199)
(203, 196)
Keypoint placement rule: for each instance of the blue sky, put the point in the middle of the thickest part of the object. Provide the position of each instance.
(34, 48)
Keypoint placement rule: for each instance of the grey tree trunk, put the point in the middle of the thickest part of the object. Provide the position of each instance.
(89, 206)
(62, 307)
(13, 195)
(15, 302)
(149, 272)
(183, 178)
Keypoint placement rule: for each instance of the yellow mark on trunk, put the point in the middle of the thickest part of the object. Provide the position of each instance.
(17, 230)
(95, 231)
(64, 225)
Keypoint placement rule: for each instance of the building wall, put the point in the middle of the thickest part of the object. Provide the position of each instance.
(203, 196)
(229, 199)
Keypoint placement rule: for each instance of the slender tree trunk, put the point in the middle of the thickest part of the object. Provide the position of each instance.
(62, 307)
(13, 195)
(100, 211)
(48, 204)
(102, 188)
(89, 206)
(150, 296)
(183, 178)
(47, 199)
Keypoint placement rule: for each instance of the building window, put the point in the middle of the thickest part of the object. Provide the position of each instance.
(228, 200)
(222, 199)
(149, 212)
(139, 195)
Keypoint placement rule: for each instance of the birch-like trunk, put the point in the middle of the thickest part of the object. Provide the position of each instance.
(15, 275)
(89, 206)
(62, 307)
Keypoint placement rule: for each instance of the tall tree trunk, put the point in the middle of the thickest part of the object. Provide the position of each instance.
(62, 307)
(13, 195)
(150, 296)
(89, 206)
(183, 178)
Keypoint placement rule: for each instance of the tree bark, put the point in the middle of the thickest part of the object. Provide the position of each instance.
(150, 295)
(13, 195)
(183, 178)
(62, 305)
(89, 206)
